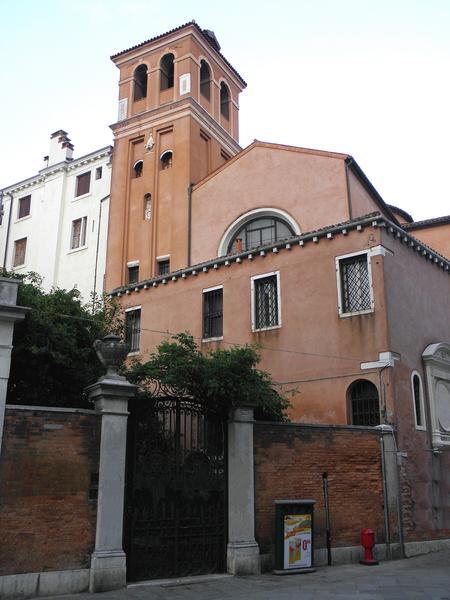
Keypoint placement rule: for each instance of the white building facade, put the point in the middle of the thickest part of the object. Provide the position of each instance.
(56, 223)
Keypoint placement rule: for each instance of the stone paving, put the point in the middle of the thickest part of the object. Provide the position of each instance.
(426, 577)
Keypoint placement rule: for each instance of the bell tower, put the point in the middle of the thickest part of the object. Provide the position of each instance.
(177, 122)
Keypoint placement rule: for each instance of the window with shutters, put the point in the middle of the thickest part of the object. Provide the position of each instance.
(20, 249)
(133, 328)
(24, 207)
(78, 236)
(364, 406)
(417, 394)
(83, 184)
(266, 301)
(213, 313)
(354, 279)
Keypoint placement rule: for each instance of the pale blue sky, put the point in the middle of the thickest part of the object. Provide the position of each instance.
(367, 77)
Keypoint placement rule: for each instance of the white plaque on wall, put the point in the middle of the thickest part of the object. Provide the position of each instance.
(122, 109)
(185, 84)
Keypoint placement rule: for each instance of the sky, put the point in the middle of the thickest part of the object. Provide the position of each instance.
(370, 78)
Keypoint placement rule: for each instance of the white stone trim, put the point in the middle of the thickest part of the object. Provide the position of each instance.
(133, 263)
(437, 371)
(250, 215)
(338, 259)
(131, 308)
(385, 359)
(252, 299)
(421, 401)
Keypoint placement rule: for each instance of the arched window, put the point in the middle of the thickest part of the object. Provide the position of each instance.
(224, 101)
(258, 232)
(205, 80)
(166, 160)
(363, 403)
(137, 168)
(417, 394)
(167, 71)
(140, 83)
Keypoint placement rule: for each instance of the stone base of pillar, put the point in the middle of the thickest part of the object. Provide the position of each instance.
(243, 558)
(108, 571)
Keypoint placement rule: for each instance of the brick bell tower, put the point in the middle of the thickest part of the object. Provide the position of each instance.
(177, 122)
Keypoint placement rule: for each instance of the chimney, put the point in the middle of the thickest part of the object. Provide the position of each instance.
(61, 149)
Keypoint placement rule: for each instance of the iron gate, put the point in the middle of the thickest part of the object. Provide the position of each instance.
(175, 513)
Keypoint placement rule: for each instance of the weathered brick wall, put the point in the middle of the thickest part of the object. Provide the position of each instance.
(48, 471)
(289, 462)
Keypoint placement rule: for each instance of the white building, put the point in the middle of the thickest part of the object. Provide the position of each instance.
(56, 223)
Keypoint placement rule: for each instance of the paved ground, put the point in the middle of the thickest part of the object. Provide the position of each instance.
(425, 577)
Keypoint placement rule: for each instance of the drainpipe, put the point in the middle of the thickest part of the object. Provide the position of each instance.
(97, 249)
(189, 192)
(8, 229)
(387, 532)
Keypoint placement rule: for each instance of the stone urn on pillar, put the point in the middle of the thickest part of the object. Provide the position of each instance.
(110, 395)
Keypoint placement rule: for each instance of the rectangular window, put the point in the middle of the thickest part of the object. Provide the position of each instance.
(354, 285)
(24, 207)
(213, 313)
(266, 309)
(133, 328)
(78, 237)
(83, 184)
(20, 248)
(133, 274)
(98, 172)
(164, 266)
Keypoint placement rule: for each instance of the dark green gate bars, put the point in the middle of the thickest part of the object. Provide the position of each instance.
(175, 513)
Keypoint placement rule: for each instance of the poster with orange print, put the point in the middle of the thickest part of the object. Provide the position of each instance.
(297, 541)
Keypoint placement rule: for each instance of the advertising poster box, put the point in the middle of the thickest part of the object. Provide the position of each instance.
(294, 543)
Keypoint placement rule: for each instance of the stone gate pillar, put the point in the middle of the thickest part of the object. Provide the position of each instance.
(110, 394)
(242, 551)
(9, 314)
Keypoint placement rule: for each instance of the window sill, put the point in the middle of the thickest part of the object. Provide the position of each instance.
(17, 267)
(22, 219)
(266, 328)
(81, 197)
(356, 313)
(134, 353)
(212, 339)
(77, 249)
(418, 428)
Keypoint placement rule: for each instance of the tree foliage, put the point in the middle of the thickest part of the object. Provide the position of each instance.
(220, 379)
(53, 359)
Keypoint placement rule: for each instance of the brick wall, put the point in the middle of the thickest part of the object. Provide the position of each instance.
(48, 470)
(289, 462)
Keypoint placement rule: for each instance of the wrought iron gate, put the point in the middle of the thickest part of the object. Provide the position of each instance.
(175, 513)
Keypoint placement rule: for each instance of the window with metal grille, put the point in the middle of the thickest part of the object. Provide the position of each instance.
(20, 248)
(83, 184)
(133, 274)
(266, 310)
(213, 313)
(418, 401)
(78, 237)
(164, 266)
(364, 403)
(24, 207)
(133, 329)
(355, 284)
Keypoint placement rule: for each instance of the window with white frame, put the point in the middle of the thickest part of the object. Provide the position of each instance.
(213, 312)
(417, 395)
(266, 302)
(133, 328)
(78, 235)
(354, 284)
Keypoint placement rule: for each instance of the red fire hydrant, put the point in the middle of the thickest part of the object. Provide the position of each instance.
(368, 542)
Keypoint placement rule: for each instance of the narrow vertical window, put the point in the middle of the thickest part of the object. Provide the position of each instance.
(98, 172)
(166, 160)
(140, 83)
(133, 329)
(266, 312)
(133, 274)
(205, 80)
(164, 266)
(416, 384)
(354, 284)
(167, 71)
(78, 235)
(20, 249)
(213, 313)
(138, 168)
(83, 184)
(24, 207)
(224, 101)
